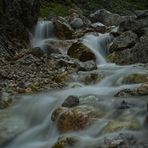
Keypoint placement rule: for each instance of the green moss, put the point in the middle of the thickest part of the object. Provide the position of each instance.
(53, 8)
(120, 5)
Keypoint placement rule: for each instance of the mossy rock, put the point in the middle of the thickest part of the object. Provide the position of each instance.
(79, 51)
(135, 78)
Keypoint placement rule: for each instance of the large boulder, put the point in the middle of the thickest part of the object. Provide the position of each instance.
(62, 29)
(132, 55)
(77, 23)
(79, 51)
(76, 118)
(135, 78)
(108, 18)
(124, 41)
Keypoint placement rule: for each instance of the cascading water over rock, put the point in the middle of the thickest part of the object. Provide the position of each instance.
(43, 30)
(98, 45)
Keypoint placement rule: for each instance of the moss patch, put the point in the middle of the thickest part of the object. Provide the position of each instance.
(56, 9)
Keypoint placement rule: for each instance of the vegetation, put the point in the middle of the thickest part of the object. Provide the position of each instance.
(60, 7)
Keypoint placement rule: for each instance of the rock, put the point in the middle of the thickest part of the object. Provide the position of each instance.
(37, 51)
(89, 78)
(62, 29)
(135, 25)
(77, 118)
(77, 23)
(5, 100)
(108, 18)
(79, 51)
(124, 105)
(87, 66)
(132, 55)
(135, 78)
(124, 121)
(63, 142)
(124, 41)
(139, 91)
(99, 27)
(71, 101)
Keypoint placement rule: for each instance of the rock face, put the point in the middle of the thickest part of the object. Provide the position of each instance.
(135, 78)
(107, 18)
(124, 41)
(77, 23)
(79, 51)
(16, 18)
(62, 29)
(76, 118)
(132, 55)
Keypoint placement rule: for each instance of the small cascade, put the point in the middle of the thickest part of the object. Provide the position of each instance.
(43, 30)
(99, 45)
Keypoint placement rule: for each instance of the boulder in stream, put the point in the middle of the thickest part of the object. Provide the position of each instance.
(76, 118)
(62, 29)
(79, 51)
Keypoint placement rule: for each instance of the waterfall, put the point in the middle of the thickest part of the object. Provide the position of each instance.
(43, 30)
(98, 45)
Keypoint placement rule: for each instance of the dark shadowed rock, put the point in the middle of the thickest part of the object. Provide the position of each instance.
(62, 29)
(79, 51)
(124, 41)
(71, 101)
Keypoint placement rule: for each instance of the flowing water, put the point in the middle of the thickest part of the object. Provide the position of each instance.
(35, 110)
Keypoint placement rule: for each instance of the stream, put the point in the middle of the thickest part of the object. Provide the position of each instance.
(34, 111)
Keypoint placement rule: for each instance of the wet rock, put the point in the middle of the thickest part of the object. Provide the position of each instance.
(77, 23)
(37, 51)
(135, 78)
(124, 105)
(77, 118)
(135, 25)
(125, 40)
(63, 142)
(122, 140)
(108, 18)
(87, 66)
(123, 121)
(71, 101)
(62, 29)
(79, 51)
(92, 77)
(132, 55)
(5, 100)
(99, 27)
(139, 91)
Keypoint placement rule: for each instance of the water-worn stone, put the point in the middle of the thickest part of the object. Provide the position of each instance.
(108, 18)
(87, 66)
(71, 101)
(77, 118)
(135, 78)
(132, 55)
(63, 142)
(124, 121)
(124, 41)
(139, 91)
(5, 100)
(79, 51)
(77, 23)
(62, 29)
